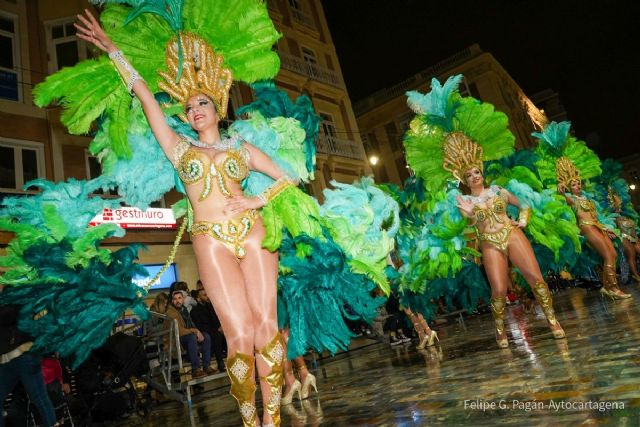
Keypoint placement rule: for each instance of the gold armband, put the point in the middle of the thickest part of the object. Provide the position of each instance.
(127, 72)
(274, 189)
(523, 217)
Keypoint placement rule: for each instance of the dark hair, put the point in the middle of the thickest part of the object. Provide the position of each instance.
(178, 286)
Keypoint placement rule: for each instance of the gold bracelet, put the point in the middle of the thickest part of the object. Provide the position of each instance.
(523, 217)
(274, 189)
(127, 72)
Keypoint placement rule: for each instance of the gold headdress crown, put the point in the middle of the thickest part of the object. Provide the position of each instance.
(566, 172)
(614, 199)
(461, 153)
(202, 72)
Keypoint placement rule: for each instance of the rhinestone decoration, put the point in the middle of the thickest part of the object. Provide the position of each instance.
(191, 168)
(277, 353)
(247, 410)
(240, 370)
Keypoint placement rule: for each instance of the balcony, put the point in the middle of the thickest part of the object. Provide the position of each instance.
(313, 71)
(303, 18)
(340, 147)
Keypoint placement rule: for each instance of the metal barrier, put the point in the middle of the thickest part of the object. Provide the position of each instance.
(163, 337)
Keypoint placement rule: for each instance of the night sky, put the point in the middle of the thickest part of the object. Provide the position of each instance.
(585, 50)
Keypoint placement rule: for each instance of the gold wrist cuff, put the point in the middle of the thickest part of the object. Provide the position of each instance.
(523, 217)
(276, 188)
(127, 72)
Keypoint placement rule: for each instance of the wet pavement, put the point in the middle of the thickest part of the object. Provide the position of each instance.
(590, 378)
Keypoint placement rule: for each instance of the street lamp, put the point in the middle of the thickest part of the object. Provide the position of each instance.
(373, 160)
(632, 186)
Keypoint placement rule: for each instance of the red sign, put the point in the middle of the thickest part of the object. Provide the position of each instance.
(128, 217)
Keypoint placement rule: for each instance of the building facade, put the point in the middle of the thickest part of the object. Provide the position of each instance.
(37, 38)
(384, 116)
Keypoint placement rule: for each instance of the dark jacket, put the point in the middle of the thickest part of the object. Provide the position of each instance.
(204, 316)
(10, 336)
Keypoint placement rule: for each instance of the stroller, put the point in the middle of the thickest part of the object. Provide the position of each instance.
(110, 383)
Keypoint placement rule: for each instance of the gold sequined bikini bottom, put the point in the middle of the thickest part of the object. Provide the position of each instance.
(499, 239)
(231, 232)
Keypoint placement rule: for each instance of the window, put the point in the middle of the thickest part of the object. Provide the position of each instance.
(20, 162)
(295, 5)
(309, 56)
(328, 129)
(392, 134)
(94, 170)
(65, 50)
(9, 57)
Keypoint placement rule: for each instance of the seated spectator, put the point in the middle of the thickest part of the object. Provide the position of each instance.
(54, 379)
(205, 318)
(189, 302)
(190, 336)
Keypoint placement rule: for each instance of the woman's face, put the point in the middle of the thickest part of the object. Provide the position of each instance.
(473, 177)
(576, 188)
(201, 112)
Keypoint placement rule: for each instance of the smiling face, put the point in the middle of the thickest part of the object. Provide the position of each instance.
(473, 177)
(201, 112)
(576, 187)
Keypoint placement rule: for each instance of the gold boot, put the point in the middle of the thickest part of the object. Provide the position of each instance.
(497, 309)
(610, 283)
(541, 291)
(241, 371)
(273, 355)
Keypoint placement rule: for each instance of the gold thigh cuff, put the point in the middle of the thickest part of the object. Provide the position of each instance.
(231, 232)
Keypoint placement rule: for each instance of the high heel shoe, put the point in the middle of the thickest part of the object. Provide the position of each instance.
(613, 295)
(610, 283)
(423, 342)
(309, 381)
(433, 337)
(288, 398)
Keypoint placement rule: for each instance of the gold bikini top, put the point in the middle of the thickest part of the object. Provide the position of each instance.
(627, 225)
(194, 166)
(585, 205)
(495, 211)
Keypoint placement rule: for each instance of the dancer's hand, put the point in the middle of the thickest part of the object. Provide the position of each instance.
(239, 204)
(91, 31)
(466, 206)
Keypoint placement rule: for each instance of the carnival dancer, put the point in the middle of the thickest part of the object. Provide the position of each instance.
(450, 138)
(563, 163)
(238, 274)
(612, 193)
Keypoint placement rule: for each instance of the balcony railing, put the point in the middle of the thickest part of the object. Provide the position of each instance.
(340, 147)
(304, 19)
(298, 65)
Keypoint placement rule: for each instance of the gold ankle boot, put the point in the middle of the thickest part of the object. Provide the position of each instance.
(273, 355)
(610, 283)
(241, 371)
(497, 309)
(541, 291)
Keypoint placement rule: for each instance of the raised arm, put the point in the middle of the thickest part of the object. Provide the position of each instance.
(91, 31)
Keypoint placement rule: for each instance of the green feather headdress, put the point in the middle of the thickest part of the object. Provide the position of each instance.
(555, 142)
(443, 116)
(240, 30)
